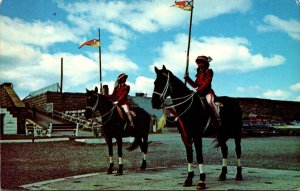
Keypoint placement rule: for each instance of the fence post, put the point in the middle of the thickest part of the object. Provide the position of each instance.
(77, 130)
(49, 130)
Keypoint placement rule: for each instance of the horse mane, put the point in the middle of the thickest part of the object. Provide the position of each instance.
(105, 100)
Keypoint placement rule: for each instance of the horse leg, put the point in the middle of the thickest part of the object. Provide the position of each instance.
(224, 150)
(189, 155)
(110, 153)
(144, 149)
(198, 147)
(120, 154)
(238, 151)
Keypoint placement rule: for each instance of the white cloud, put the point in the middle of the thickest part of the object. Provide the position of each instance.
(208, 9)
(295, 87)
(142, 16)
(118, 62)
(143, 85)
(276, 94)
(118, 44)
(229, 54)
(37, 33)
(273, 23)
(45, 70)
(140, 85)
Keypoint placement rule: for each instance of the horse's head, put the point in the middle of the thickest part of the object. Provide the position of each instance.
(91, 102)
(161, 87)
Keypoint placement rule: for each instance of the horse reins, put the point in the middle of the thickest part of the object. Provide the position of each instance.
(163, 94)
(101, 116)
(189, 96)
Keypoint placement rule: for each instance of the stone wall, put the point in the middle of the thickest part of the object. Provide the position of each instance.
(61, 101)
(5, 99)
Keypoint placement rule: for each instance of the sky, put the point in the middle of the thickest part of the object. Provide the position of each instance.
(254, 44)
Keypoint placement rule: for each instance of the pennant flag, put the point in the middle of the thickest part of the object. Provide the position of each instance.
(185, 5)
(94, 42)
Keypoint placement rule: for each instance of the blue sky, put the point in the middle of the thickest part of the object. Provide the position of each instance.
(254, 44)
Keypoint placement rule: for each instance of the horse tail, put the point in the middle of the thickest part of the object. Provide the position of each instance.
(135, 144)
(231, 114)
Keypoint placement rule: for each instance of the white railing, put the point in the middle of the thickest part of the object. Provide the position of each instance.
(77, 116)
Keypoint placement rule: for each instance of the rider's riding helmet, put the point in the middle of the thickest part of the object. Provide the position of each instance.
(203, 59)
(122, 77)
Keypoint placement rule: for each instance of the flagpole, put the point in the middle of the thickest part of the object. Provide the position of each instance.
(100, 69)
(189, 41)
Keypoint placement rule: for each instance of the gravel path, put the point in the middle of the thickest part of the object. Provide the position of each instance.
(25, 163)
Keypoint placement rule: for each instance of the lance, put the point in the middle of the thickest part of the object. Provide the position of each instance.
(189, 40)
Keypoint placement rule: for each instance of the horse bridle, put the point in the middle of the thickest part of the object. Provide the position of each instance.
(162, 95)
(95, 105)
(165, 90)
(101, 116)
(189, 96)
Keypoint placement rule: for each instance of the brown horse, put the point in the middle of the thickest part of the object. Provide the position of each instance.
(193, 117)
(115, 125)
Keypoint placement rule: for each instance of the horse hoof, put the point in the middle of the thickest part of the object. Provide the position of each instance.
(189, 180)
(239, 177)
(110, 168)
(143, 166)
(120, 170)
(109, 171)
(222, 177)
(201, 186)
(188, 183)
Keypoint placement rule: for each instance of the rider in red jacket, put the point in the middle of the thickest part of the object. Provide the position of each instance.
(202, 84)
(120, 94)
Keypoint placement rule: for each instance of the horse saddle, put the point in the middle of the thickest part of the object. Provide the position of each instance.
(122, 113)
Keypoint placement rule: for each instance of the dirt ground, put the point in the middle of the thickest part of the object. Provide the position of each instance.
(24, 163)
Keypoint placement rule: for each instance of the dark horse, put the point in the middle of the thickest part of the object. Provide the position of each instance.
(193, 116)
(115, 125)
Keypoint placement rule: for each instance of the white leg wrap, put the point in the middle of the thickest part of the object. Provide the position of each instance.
(224, 162)
(120, 160)
(238, 162)
(110, 159)
(190, 167)
(144, 156)
(201, 168)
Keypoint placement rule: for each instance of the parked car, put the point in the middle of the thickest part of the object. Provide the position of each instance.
(257, 128)
(289, 128)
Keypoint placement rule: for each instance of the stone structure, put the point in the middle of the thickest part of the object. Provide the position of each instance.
(12, 111)
(275, 109)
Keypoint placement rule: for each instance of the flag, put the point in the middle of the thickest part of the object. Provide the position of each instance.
(185, 5)
(94, 42)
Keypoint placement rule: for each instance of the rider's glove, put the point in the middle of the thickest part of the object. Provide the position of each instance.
(116, 102)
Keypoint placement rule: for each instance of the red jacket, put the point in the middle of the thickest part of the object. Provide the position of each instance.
(120, 94)
(203, 81)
